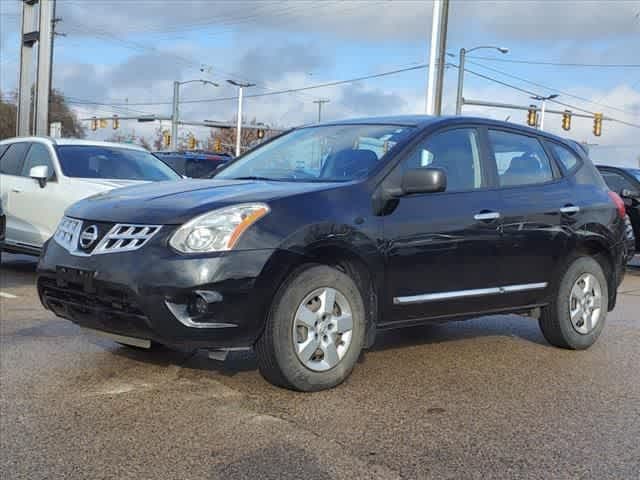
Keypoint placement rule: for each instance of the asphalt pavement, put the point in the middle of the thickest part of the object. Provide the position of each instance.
(486, 398)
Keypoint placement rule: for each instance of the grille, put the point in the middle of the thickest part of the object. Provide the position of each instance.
(118, 238)
(125, 238)
(68, 232)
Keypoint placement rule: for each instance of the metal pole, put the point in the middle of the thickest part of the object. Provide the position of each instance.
(320, 102)
(433, 56)
(463, 54)
(26, 60)
(442, 52)
(542, 108)
(239, 122)
(43, 79)
(175, 115)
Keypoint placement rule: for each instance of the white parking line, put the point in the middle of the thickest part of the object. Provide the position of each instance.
(7, 295)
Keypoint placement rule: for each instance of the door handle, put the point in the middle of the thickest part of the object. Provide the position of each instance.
(16, 190)
(485, 216)
(570, 209)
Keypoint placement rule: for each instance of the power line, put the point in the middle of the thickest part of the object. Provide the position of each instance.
(558, 64)
(530, 82)
(275, 92)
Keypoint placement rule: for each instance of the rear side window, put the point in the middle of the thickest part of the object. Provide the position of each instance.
(520, 159)
(454, 151)
(568, 159)
(11, 161)
(38, 155)
(616, 182)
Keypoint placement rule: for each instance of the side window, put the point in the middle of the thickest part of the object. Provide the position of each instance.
(11, 161)
(568, 159)
(456, 152)
(520, 159)
(616, 182)
(38, 155)
(3, 149)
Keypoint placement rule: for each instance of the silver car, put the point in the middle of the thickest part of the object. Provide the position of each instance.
(41, 177)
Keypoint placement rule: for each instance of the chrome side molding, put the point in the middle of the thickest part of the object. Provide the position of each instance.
(478, 292)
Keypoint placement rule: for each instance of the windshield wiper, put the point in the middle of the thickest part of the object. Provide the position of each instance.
(254, 178)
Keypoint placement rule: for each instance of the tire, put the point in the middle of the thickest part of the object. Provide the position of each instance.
(290, 329)
(556, 319)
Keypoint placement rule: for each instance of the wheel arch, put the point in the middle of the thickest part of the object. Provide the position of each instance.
(597, 249)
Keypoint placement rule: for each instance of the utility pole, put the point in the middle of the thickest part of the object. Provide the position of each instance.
(175, 115)
(543, 106)
(320, 102)
(241, 86)
(35, 30)
(437, 54)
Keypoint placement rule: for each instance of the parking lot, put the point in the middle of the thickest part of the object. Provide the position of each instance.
(488, 398)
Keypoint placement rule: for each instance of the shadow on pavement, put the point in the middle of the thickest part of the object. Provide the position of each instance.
(17, 271)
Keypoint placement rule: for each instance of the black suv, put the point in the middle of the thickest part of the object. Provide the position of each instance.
(308, 245)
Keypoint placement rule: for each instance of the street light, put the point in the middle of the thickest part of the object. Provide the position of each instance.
(176, 107)
(240, 86)
(543, 106)
(463, 54)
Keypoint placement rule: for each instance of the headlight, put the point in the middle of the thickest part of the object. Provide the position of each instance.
(218, 230)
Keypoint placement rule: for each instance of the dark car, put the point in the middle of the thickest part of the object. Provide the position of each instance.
(626, 183)
(309, 245)
(3, 225)
(194, 164)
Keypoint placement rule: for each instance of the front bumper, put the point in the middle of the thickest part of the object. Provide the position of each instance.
(148, 293)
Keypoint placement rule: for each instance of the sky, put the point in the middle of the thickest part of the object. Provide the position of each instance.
(124, 56)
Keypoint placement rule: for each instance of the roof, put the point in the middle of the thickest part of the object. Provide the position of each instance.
(74, 141)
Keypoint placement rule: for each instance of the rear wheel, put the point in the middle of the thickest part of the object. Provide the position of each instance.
(315, 331)
(576, 316)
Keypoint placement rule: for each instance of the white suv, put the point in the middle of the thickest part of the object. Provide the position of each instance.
(40, 177)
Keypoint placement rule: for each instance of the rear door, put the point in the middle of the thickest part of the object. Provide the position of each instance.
(442, 248)
(536, 201)
(11, 164)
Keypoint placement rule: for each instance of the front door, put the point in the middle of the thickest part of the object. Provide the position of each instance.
(442, 248)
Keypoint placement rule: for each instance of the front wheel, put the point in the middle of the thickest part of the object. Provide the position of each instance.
(576, 316)
(315, 330)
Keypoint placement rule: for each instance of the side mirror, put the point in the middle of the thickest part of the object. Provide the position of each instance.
(630, 194)
(40, 173)
(424, 180)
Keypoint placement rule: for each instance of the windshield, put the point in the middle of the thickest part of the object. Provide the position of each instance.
(334, 153)
(89, 161)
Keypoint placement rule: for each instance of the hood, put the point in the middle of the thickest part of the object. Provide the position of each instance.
(175, 202)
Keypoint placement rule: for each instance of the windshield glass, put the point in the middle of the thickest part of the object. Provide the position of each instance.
(334, 153)
(635, 172)
(89, 161)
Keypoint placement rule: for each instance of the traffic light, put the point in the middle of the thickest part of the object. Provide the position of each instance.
(103, 123)
(192, 142)
(217, 145)
(94, 124)
(566, 120)
(532, 116)
(116, 122)
(260, 133)
(597, 124)
(166, 138)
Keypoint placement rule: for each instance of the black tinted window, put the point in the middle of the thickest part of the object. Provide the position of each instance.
(616, 182)
(520, 159)
(568, 159)
(88, 161)
(38, 155)
(454, 151)
(11, 161)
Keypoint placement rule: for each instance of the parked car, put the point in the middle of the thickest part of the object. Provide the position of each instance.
(194, 164)
(3, 225)
(626, 183)
(309, 245)
(40, 177)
